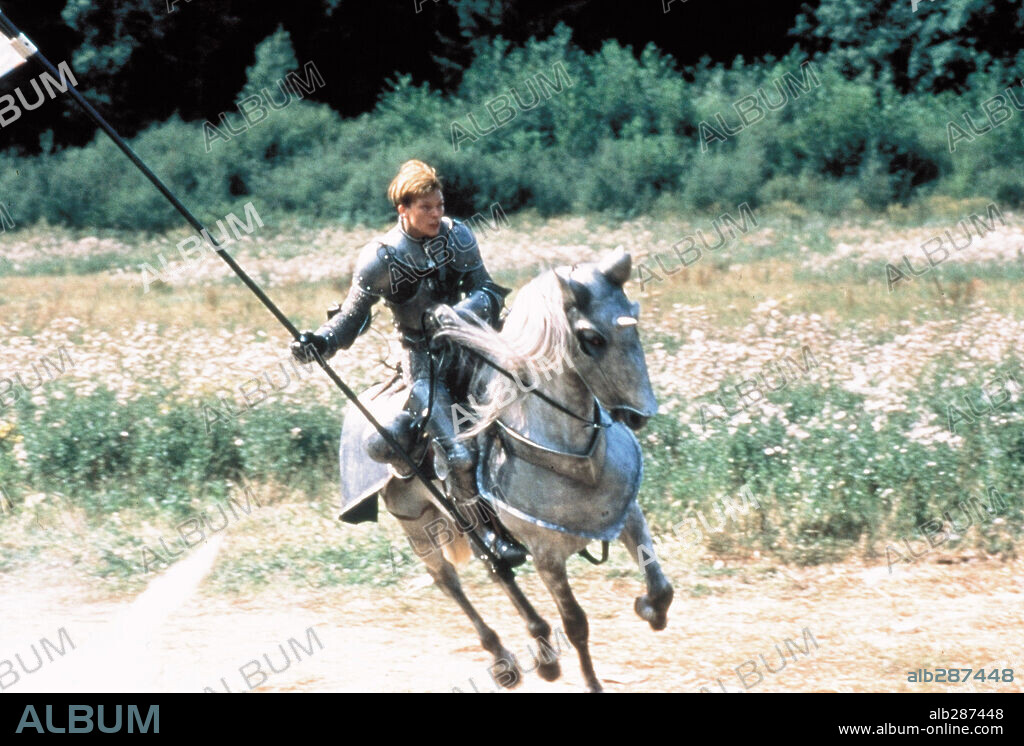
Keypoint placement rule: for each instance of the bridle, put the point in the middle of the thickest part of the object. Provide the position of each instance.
(595, 422)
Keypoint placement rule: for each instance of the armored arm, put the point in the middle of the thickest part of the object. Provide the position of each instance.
(484, 297)
(370, 282)
(353, 319)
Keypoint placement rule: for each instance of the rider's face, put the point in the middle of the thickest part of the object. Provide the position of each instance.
(422, 219)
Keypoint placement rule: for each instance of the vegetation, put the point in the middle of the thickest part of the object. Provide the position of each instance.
(857, 169)
(865, 125)
(142, 434)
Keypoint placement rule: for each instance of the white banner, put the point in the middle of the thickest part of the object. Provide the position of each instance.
(14, 52)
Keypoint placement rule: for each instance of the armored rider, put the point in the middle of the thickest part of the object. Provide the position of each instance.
(425, 268)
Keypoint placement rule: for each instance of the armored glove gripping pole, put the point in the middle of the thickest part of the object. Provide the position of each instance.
(29, 50)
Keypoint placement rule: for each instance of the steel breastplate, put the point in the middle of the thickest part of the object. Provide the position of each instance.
(546, 487)
(408, 308)
(423, 272)
(583, 467)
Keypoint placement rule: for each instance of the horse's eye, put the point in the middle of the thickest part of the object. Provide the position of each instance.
(590, 340)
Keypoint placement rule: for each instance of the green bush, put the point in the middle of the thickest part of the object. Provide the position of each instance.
(844, 484)
(623, 131)
(110, 455)
(831, 477)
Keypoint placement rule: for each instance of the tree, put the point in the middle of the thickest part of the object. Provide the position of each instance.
(275, 58)
(927, 46)
(142, 61)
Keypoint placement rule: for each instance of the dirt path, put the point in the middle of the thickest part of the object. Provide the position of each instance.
(867, 631)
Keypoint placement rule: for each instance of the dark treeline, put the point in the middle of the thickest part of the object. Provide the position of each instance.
(144, 60)
(891, 76)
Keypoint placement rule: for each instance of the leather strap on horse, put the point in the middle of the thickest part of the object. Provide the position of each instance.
(540, 394)
(585, 554)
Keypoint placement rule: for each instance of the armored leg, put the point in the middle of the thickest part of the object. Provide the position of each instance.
(459, 469)
(401, 428)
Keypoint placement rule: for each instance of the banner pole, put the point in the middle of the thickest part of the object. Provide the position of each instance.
(496, 563)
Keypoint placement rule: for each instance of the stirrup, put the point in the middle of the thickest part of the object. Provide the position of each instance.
(491, 532)
(508, 551)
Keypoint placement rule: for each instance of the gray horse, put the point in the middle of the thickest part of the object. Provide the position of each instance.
(553, 416)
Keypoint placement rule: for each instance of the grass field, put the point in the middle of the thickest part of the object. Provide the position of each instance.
(136, 412)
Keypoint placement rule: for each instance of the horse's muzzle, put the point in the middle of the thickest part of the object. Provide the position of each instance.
(631, 418)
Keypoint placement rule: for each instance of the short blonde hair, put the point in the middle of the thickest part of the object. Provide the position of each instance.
(415, 179)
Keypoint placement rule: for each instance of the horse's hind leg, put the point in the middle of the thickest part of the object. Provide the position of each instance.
(552, 572)
(547, 662)
(652, 607)
(407, 502)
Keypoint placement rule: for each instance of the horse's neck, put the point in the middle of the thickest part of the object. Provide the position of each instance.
(542, 423)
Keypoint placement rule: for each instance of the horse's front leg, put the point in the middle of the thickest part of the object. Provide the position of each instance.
(652, 607)
(552, 571)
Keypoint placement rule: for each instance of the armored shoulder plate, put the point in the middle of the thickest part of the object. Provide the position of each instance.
(406, 250)
(454, 246)
(463, 243)
(372, 274)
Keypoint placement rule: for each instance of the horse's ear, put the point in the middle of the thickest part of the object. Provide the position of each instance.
(574, 293)
(616, 266)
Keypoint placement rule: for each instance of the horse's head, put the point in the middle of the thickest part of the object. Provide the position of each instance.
(607, 353)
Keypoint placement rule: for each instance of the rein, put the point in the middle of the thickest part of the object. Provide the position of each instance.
(595, 423)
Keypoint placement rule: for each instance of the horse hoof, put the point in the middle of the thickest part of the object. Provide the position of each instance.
(650, 613)
(510, 675)
(549, 671)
